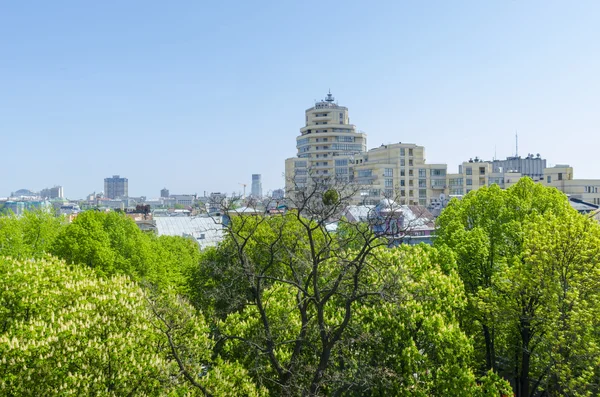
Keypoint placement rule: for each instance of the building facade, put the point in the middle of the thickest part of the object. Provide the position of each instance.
(326, 145)
(330, 147)
(55, 192)
(116, 187)
(398, 171)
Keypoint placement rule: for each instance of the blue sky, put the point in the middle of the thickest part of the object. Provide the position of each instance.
(197, 96)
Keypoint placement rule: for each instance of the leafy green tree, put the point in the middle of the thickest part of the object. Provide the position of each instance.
(513, 294)
(112, 243)
(67, 331)
(29, 235)
(303, 308)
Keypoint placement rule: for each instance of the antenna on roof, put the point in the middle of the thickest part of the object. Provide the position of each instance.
(516, 144)
(330, 97)
(495, 152)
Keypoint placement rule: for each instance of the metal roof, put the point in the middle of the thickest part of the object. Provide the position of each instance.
(208, 232)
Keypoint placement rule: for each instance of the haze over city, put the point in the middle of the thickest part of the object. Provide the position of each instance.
(197, 97)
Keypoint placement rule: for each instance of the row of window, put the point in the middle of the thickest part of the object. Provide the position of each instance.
(347, 146)
(403, 152)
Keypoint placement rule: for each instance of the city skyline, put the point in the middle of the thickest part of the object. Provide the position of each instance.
(196, 98)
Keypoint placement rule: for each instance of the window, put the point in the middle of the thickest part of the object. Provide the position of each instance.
(344, 139)
(341, 163)
(341, 170)
(438, 172)
(402, 163)
(410, 193)
(402, 193)
(302, 141)
(389, 182)
(389, 172)
(410, 152)
(456, 181)
(402, 182)
(410, 183)
(410, 173)
(422, 173)
(365, 173)
(300, 164)
(402, 173)
(402, 152)
(422, 182)
(347, 146)
(560, 176)
(422, 192)
(549, 179)
(469, 171)
(410, 162)
(469, 181)
(481, 170)
(389, 193)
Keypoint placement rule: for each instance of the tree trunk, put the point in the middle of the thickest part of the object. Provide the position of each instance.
(490, 354)
(525, 360)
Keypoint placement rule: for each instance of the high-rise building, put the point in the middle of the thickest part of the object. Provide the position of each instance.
(326, 145)
(164, 192)
(116, 187)
(256, 186)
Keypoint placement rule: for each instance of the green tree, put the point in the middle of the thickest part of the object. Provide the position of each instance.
(512, 295)
(67, 331)
(29, 235)
(112, 243)
(305, 310)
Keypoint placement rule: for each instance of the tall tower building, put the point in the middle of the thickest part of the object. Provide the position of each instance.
(164, 192)
(256, 186)
(116, 187)
(326, 145)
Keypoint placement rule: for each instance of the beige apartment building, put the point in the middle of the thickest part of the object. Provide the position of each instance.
(399, 171)
(329, 147)
(474, 174)
(326, 145)
(561, 177)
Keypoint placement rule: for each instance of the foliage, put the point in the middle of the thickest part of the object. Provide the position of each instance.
(330, 197)
(307, 312)
(524, 255)
(30, 235)
(111, 243)
(66, 331)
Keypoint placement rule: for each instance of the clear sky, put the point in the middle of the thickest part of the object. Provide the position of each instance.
(196, 96)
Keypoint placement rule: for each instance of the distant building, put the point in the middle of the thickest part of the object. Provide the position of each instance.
(278, 194)
(184, 199)
(55, 192)
(164, 192)
(256, 186)
(116, 187)
(216, 202)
